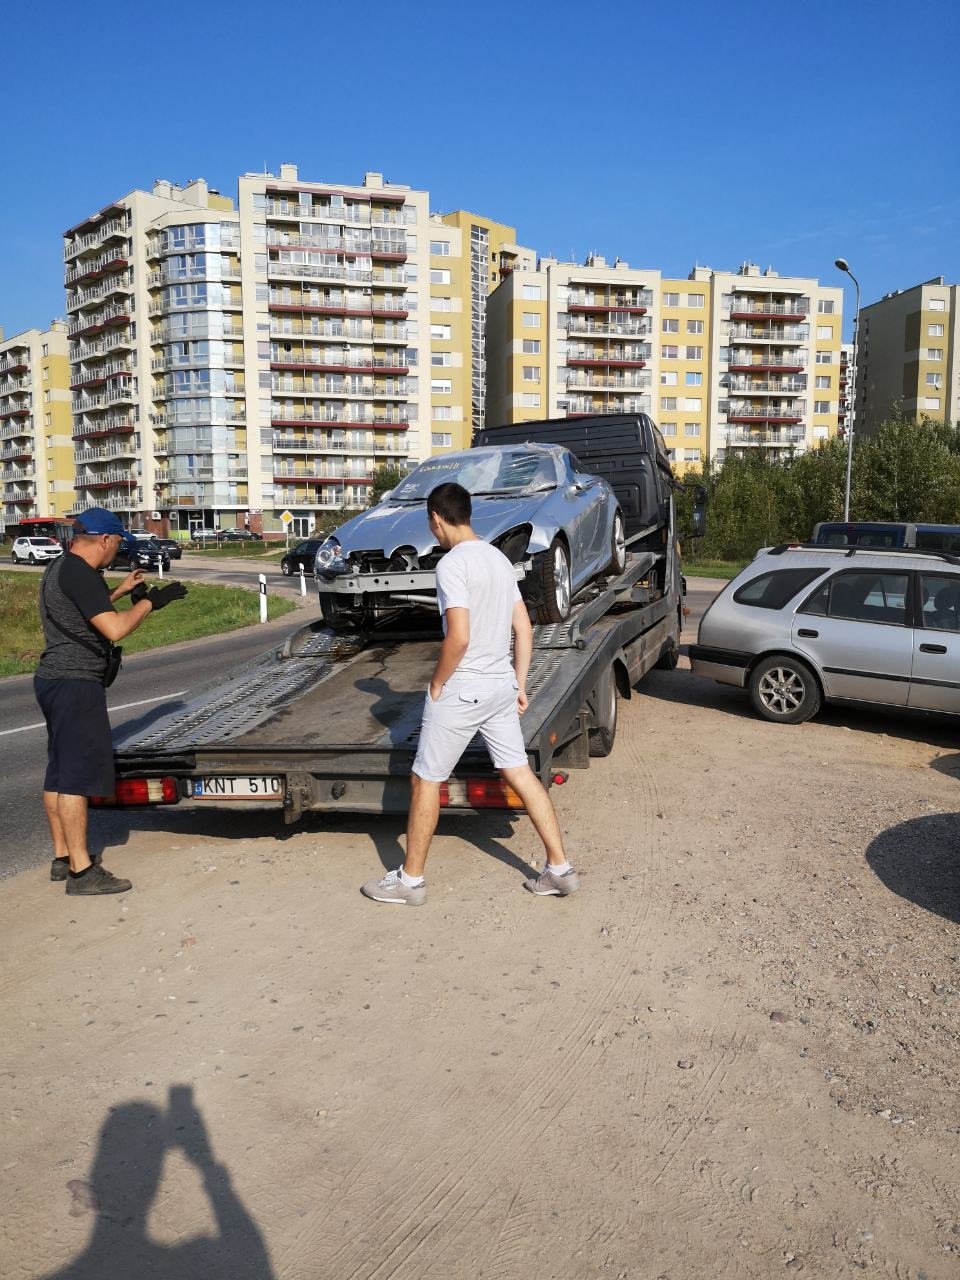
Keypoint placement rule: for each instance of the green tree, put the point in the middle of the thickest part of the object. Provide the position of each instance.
(384, 479)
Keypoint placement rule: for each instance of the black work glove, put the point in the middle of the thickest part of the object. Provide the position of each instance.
(159, 597)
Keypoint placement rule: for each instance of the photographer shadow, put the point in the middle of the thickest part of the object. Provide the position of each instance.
(919, 860)
(124, 1183)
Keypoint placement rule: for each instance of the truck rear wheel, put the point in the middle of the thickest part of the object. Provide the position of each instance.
(602, 737)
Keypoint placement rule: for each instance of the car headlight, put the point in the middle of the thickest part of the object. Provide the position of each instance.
(330, 556)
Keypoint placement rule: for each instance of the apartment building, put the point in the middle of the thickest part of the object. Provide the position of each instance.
(469, 256)
(908, 354)
(846, 411)
(36, 454)
(722, 360)
(153, 299)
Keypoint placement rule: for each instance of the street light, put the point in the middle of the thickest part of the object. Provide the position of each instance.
(842, 265)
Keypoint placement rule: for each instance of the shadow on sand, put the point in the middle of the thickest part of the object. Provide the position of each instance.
(920, 861)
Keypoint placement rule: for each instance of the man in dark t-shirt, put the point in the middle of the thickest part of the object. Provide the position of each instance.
(80, 626)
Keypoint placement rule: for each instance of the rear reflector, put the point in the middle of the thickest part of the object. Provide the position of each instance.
(478, 793)
(133, 791)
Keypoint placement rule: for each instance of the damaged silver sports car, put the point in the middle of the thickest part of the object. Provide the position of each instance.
(558, 525)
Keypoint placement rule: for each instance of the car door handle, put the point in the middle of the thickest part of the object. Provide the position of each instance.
(933, 648)
(807, 633)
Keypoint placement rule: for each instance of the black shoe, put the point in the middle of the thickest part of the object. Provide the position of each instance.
(59, 868)
(96, 880)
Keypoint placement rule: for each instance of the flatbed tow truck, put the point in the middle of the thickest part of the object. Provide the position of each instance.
(329, 721)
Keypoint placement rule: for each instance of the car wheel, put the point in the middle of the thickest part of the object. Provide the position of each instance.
(784, 690)
(555, 584)
(334, 614)
(669, 657)
(31, 558)
(286, 568)
(601, 738)
(618, 546)
(14, 557)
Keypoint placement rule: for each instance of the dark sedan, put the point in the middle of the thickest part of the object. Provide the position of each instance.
(302, 556)
(140, 553)
(171, 546)
(239, 535)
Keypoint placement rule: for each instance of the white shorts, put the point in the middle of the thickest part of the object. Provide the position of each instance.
(469, 705)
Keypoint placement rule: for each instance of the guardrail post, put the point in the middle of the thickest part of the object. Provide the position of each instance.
(303, 582)
(263, 597)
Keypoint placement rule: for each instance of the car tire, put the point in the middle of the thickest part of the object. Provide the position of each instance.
(669, 657)
(601, 737)
(31, 558)
(618, 546)
(554, 582)
(286, 568)
(784, 689)
(15, 559)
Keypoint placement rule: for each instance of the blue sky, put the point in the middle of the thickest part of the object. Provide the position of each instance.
(708, 132)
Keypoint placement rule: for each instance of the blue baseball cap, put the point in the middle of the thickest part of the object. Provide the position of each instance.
(98, 520)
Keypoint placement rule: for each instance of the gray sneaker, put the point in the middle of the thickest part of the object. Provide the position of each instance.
(96, 881)
(548, 882)
(392, 889)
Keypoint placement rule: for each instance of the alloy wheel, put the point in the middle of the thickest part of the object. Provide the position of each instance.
(781, 690)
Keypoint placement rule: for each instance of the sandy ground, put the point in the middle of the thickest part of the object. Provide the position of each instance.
(733, 1054)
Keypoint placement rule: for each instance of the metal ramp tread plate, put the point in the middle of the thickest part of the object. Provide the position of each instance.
(237, 704)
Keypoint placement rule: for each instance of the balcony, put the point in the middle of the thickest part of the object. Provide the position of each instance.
(100, 373)
(581, 379)
(20, 410)
(394, 250)
(785, 386)
(580, 325)
(343, 364)
(321, 475)
(122, 502)
(84, 297)
(629, 356)
(782, 439)
(113, 260)
(765, 364)
(766, 413)
(16, 428)
(18, 473)
(14, 452)
(107, 425)
(14, 385)
(93, 239)
(105, 479)
(785, 334)
(766, 309)
(99, 319)
(635, 302)
(316, 271)
(281, 417)
(14, 362)
(104, 453)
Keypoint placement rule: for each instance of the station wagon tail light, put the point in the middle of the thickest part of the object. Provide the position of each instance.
(478, 793)
(135, 791)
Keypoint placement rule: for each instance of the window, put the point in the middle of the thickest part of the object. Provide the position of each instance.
(821, 406)
(694, 379)
(862, 597)
(439, 275)
(668, 404)
(696, 299)
(668, 428)
(441, 387)
(439, 248)
(691, 404)
(531, 373)
(691, 428)
(531, 346)
(441, 413)
(931, 402)
(45, 349)
(531, 320)
(691, 455)
(824, 357)
(825, 331)
(671, 299)
(45, 372)
(694, 326)
(935, 330)
(441, 332)
(668, 379)
(823, 382)
(941, 602)
(670, 326)
(46, 397)
(669, 353)
(933, 380)
(694, 353)
(938, 304)
(441, 304)
(775, 589)
(441, 359)
(530, 399)
(531, 291)
(826, 306)
(934, 353)
(441, 440)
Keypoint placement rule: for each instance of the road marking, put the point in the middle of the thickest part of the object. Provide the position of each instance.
(124, 706)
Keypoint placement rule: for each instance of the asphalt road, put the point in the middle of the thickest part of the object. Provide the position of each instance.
(148, 681)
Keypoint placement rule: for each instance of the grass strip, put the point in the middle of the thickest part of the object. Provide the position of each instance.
(206, 611)
(713, 568)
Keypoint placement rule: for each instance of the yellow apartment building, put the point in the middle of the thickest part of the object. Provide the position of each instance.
(36, 451)
(908, 354)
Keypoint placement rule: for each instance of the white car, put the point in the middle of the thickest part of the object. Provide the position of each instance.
(35, 550)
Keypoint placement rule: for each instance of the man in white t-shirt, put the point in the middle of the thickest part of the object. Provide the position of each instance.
(474, 689)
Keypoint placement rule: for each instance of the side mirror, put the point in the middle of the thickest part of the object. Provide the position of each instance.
(699, 511)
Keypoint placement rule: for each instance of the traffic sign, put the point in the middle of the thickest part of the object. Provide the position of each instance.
(286, 517)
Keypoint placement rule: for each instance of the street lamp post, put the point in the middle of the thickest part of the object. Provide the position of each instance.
(842, 265)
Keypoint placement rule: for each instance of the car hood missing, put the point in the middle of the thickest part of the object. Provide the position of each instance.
(391, 526)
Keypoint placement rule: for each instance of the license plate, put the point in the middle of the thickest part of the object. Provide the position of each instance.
(251, 787)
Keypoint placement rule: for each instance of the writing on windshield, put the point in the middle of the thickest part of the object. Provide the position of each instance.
(493, 472)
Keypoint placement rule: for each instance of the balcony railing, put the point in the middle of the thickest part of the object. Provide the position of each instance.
(316, 271)
(636, 300)
(15, 384)
(769, 333)
(18, 361)
(174, 333)
(18, 473)
(599, 328)
(97, 319)
(12, 452)
(612, 355)
(764, 363)
(128, 501)
(17, 427)
(759, 307)
(122, 422)
(782, 438)
(342, 363)
(126, 450)
(83, 297)
(115, 227)
(94, 266)
(100, 372)
(785, 386)
(591, 381)
(767, 413)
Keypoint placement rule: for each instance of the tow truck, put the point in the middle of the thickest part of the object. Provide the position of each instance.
(328, 722)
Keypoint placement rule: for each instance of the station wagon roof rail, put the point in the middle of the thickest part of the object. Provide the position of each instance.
(846, 552)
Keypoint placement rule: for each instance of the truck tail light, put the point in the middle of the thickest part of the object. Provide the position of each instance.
(134, 791)
(478, 793)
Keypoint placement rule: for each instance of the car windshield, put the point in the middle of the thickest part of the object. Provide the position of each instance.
(493, 473)
(42, 542)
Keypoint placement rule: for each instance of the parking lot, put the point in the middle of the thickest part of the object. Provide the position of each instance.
(733, 1054)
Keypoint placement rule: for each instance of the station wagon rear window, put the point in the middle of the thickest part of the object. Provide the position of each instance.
(778, 587)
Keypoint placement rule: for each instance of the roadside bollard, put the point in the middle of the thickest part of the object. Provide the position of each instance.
(160, 568)
(263, 597)
(303, 582)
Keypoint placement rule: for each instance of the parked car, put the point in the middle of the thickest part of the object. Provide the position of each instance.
(140, 553)
(559, 526)
(205, 535)
(35, 550)
(302, 556)
(801, 625)
(171, 546)
(239, 535)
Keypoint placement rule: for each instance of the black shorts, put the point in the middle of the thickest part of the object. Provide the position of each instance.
(79, 739)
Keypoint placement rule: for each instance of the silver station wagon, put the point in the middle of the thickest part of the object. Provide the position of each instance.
(804, 625)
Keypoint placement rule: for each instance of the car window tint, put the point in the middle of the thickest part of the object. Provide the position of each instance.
(947, 539)
(940, 602)
(869, 597)
(775, 589)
